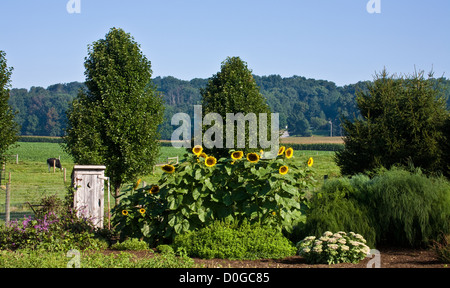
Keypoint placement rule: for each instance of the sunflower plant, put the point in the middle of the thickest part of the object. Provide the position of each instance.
(270, 191)
(138, 208)
(202, 189)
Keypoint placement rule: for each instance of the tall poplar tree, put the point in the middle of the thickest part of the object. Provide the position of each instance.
(114, 122)
(234, 90)
(9, 129)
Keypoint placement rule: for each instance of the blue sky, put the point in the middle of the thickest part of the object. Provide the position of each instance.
(335, 40)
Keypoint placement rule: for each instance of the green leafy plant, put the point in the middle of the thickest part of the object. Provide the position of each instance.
(203, 189)
(333, 248)
(132, 244)
(164, 249)
(226, 240)
(44, 259)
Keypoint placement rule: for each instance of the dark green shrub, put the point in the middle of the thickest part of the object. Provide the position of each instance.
(40, 139)
(336, 208)
(402, 120)
(230, 241)
(445, 146)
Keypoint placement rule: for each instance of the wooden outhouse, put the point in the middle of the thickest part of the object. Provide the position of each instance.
(89, 190)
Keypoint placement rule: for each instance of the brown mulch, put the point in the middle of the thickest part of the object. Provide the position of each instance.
(390, 258)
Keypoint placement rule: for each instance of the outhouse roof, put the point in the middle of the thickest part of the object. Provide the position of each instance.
(89, 167)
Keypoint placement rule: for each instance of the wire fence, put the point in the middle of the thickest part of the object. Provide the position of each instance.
(33, 181)
(22, 197)
(29, 188)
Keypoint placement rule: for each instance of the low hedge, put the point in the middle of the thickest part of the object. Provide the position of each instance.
(224, 240)
(40, 139)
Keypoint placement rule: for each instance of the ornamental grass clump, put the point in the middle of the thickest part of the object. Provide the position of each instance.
(333, 248)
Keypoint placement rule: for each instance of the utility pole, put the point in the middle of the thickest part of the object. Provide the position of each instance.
(331, 129)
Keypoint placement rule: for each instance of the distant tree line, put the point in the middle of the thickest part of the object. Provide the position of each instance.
(306, 106)
(42, 112)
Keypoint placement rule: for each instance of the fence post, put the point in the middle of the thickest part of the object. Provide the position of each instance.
(8, 199)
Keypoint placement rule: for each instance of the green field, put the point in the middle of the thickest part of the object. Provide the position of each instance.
(31, 179)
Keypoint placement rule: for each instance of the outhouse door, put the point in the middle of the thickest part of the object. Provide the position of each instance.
(89, 187)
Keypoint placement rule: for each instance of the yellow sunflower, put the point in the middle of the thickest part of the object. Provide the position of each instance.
(310, 162)
(203, 154)
(197, 150)
(168, 168)
(289, 153)
(284, 170)
(137, 184)
(124, 212)
(154, 189)
(142, 210)
(237, 155)
(210, 161)
(281, 150)
(253, 157)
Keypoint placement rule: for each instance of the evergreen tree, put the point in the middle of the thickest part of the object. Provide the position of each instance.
(401, 124)
(234, 90)
(114, 122)
(445, 146)
(8, 127)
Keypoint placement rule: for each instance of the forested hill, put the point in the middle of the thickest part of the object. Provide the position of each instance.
(305, 105)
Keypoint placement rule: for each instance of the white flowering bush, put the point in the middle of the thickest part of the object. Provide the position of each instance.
(333, 248)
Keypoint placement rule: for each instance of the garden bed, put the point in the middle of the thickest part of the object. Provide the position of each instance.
(390, 258)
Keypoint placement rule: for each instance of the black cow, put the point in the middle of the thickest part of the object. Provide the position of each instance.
(54, 162)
